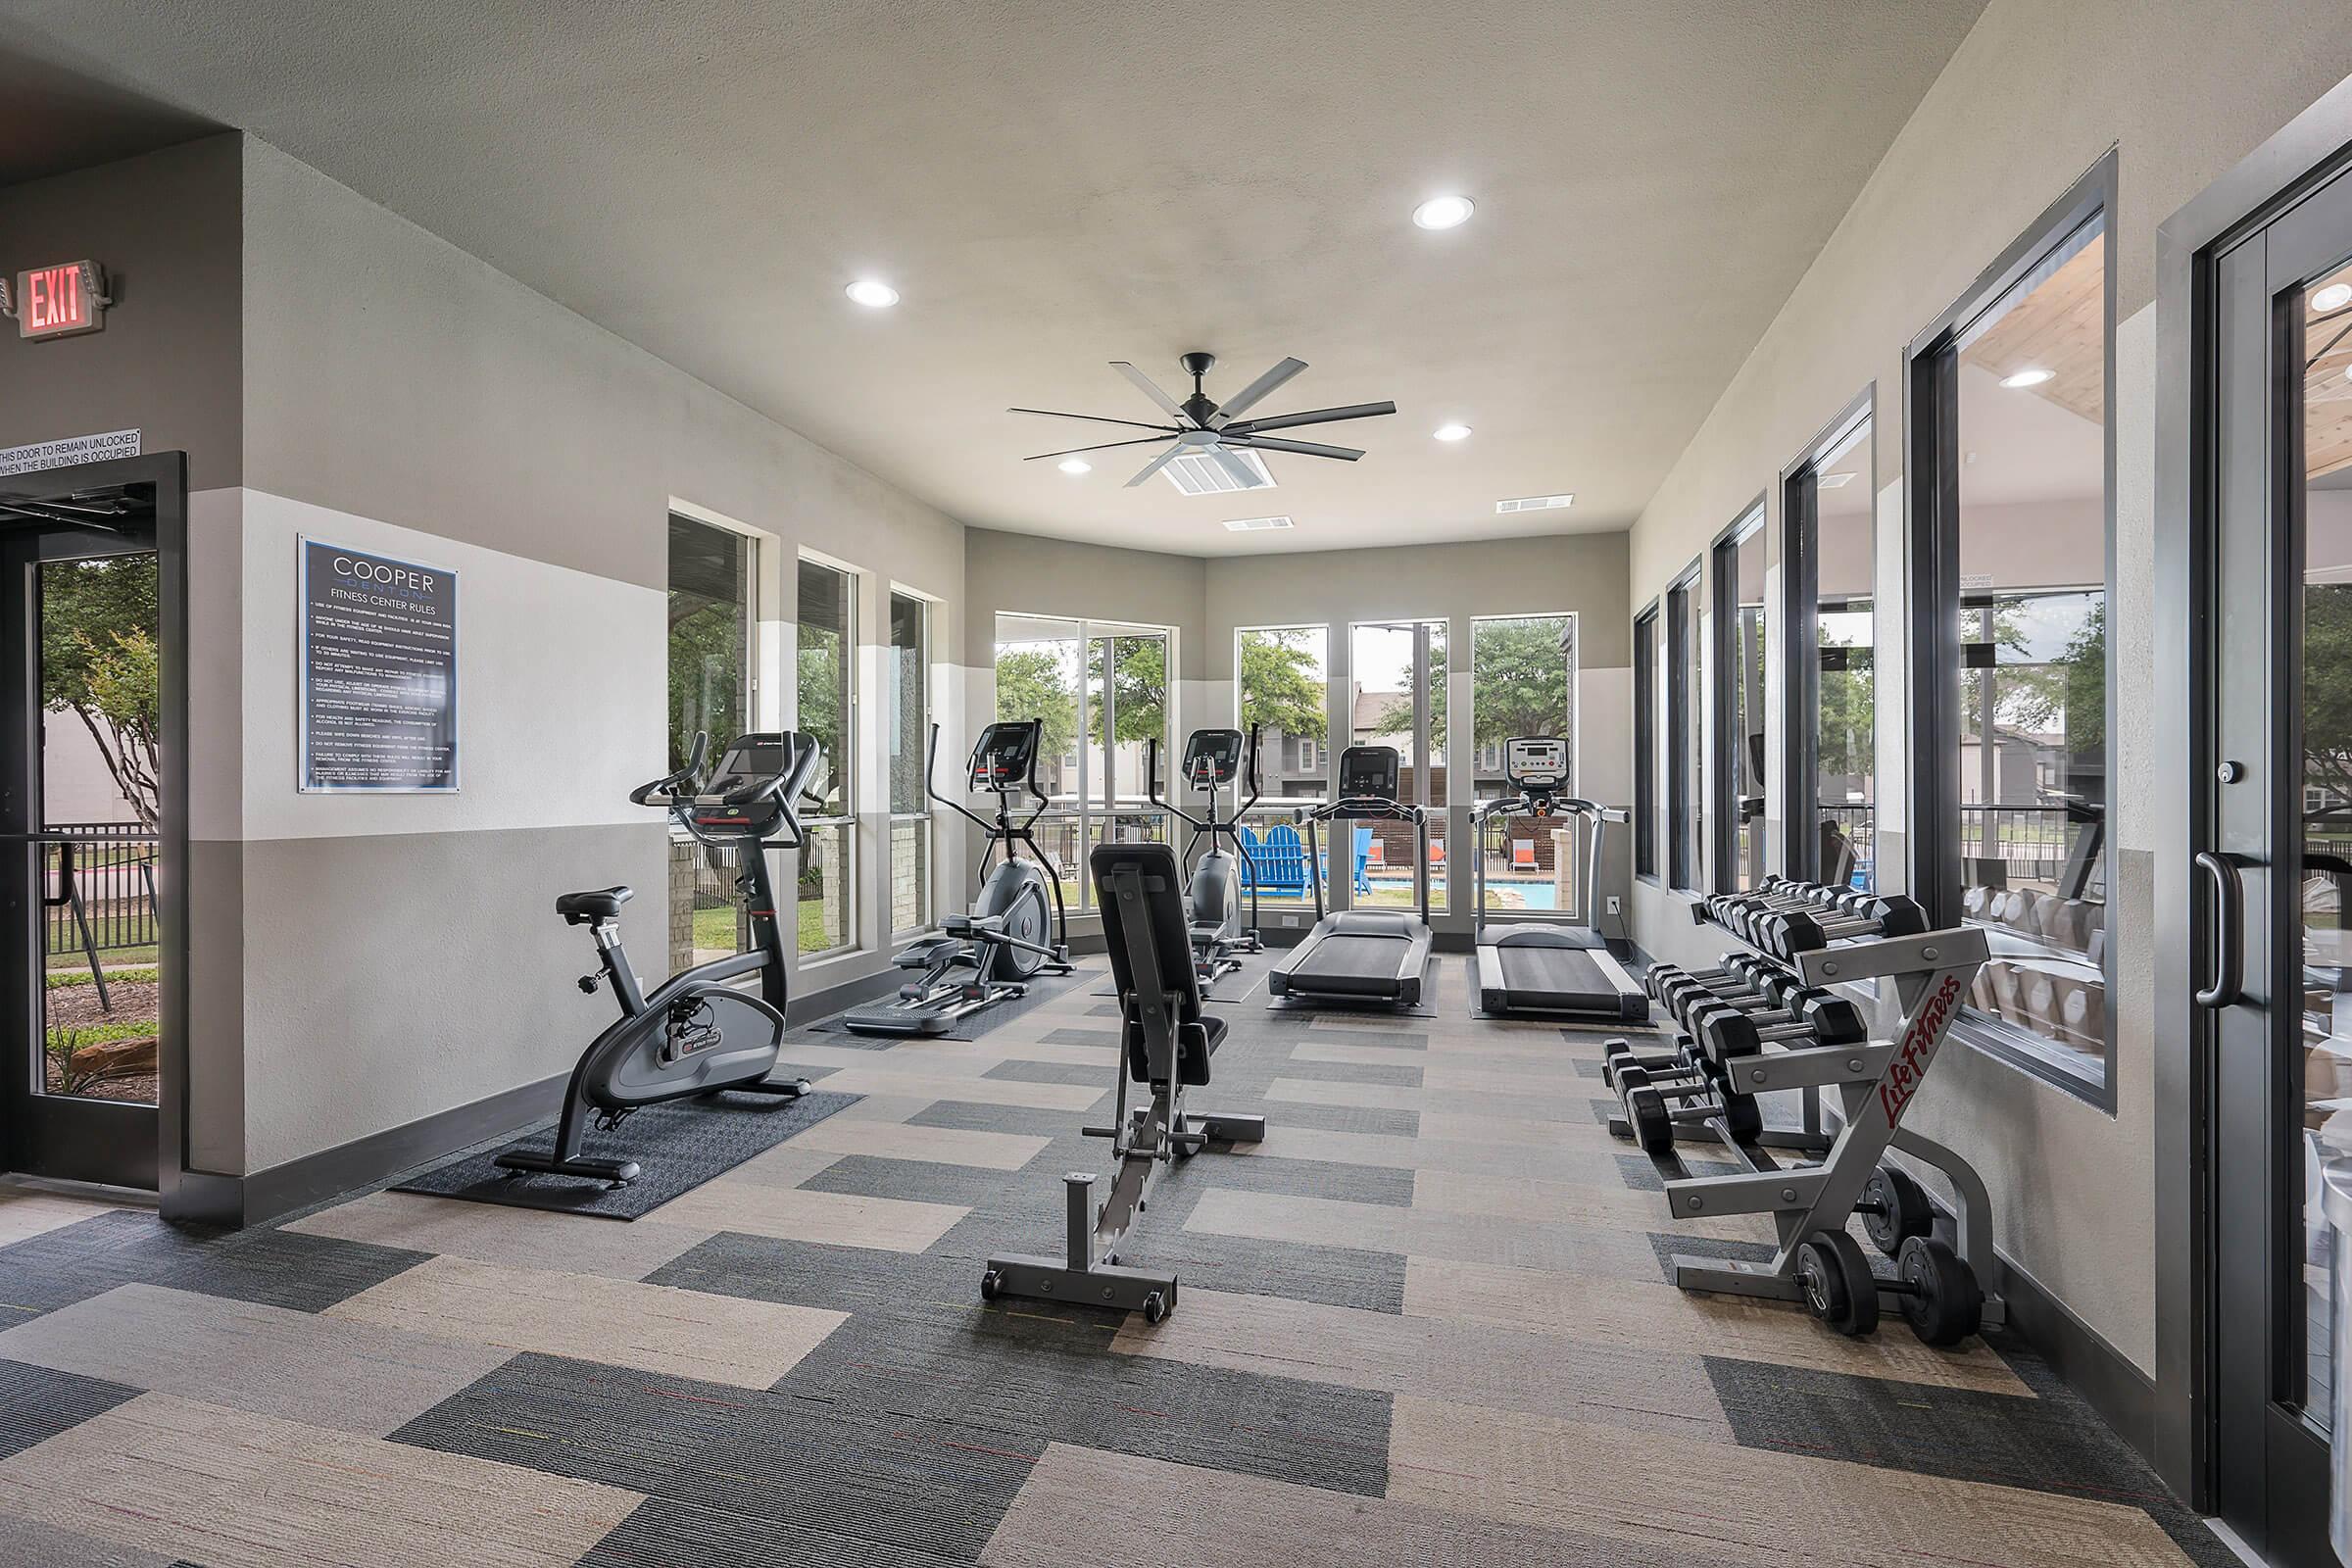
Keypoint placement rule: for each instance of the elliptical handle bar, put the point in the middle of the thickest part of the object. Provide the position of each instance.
(1152, 792)
(1255, 731)
(931, 785)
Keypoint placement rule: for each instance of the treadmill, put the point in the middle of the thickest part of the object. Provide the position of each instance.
(1374, 957)
(1548, 967)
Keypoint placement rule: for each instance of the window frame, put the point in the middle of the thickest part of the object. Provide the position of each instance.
(1727, 752)
(845, 766)
(1093, 800)
(1686, 851)
(1801, 629)
(1933, 595)
(1646, 743)
(895, 935)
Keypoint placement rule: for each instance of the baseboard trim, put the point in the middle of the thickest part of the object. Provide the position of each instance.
(2124, 1395)
(283, 1190)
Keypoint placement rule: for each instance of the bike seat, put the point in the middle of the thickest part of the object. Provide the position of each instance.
(600, 904)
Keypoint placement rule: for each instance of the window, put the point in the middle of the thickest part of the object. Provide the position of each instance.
(1282, 675)
(909, 740)
(1646, 743)
(1398, 698)
(2014, 506)
(709, 636)
(1103, 690)
(1827, 556)
(711, 662)
(1523, 682)
(826, 663)
(1741, 795)
(1685, 782)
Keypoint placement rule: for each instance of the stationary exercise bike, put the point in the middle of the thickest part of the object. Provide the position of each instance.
(1213, 762)
(1012, 934)
(695, 1033)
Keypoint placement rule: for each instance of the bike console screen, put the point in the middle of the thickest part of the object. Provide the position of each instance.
(1212, 757)
(1002, 759)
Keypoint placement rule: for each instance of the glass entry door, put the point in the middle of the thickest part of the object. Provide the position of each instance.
(2277, 867)
(80, 813)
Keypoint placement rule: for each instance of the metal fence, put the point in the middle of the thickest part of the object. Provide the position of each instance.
(2031, 842)
(98, 889)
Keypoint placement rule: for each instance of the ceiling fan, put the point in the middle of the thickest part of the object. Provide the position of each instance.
(1216, 430)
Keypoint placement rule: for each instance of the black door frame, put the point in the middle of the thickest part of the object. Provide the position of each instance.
(2314, 148)
(1727, 753)
(167, 473)
(1801, 630)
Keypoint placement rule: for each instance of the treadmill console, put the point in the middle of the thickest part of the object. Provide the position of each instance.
(1006, 754)
(1213, 757)
(1536, 763)
(1372, 772)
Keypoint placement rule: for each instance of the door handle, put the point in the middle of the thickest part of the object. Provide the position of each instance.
(2229, 932)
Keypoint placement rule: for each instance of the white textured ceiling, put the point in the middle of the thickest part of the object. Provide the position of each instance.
(1053, 186)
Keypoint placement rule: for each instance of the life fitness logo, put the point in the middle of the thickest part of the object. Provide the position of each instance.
(1910, 1063)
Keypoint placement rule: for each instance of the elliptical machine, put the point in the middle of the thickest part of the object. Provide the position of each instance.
(1213, 762)
(1009, 937)
(694, 1034)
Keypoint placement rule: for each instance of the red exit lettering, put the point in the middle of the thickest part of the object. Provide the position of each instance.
(52, 301)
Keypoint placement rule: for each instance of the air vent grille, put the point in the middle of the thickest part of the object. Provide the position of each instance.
(1256, 524)
(1534, 503)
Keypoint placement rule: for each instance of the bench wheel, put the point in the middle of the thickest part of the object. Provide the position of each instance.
(1652, 1122)
(1156, 1308)
(1942, 1300)
(1894, 1209)
(1839, 1289)
(991, 1285)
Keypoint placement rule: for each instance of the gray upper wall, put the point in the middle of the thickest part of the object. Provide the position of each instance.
(1016, 573)
(166, 228)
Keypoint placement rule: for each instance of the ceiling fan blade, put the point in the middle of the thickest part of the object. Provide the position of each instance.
(1056, 413)
(1306, 448)
(1156, 464)
(1071, 451)
(1249, 397)
(1143, 383)
(1283, 422)
(1241, 473)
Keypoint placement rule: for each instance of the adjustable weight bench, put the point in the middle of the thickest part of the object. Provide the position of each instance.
(1165, 1042)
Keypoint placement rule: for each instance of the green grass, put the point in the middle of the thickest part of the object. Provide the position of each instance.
(99, 1034)
(64, 979)
(714, 929)
(73, 959)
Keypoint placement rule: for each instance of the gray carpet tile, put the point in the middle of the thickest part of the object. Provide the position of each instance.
(36, 1403)
(2052, 1442)
(277, 1269)
(681, 1145)
(1107, 1039)
(1356, 1072)
(39, 1545)
(1349, 1119)
(988, 1021)
(666, 1533)
(1055, 1072)
(964, 1116)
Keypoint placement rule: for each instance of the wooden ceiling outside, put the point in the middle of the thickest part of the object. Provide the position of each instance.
(2059, 327)
(2326, 394)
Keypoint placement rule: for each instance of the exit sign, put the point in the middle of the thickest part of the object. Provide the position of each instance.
(59, 300)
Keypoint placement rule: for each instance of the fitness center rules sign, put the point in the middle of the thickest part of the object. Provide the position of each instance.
(379, 666)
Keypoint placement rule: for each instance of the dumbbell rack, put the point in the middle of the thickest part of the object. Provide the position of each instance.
(1876, 1081)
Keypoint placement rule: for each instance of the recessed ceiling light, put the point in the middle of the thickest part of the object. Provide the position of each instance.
(1534, 503)
(2334, 297)
(872, 293)
(1833, 481)
(1256, 524)
(1452, 433)
(2033, 377)
(1443, 211)
(1075, 465)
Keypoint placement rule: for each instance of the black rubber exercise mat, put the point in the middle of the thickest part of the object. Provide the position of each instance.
(681, 1145)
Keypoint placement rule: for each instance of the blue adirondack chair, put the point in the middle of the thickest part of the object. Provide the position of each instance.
(1363, 857)
(1279, 860)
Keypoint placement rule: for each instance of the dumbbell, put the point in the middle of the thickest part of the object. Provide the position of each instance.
(1770, 989)
(1653, 1110)
(1725, 1036)
(1733, 970)
(1787, 934)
